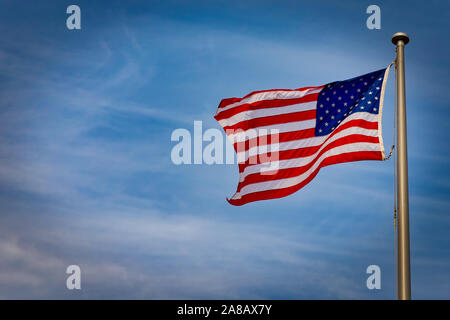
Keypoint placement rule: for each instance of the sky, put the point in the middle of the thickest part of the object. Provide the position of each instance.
(86, 176)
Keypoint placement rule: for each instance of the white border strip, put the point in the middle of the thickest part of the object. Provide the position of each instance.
(380, 114)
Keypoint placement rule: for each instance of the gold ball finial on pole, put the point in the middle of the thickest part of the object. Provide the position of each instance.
(400, 36)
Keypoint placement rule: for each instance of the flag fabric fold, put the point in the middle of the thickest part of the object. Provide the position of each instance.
(283, 137)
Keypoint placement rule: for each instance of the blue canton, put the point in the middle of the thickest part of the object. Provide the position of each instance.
(339, 99)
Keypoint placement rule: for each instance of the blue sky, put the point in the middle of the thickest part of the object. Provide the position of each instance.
(86, 176)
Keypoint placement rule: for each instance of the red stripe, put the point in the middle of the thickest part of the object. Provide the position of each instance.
(264, 104)
(282, 137)
(278, 193)
(276, 119)
(228, 101)
(301, 153)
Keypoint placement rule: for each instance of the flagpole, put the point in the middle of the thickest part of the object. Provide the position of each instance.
(400, 39)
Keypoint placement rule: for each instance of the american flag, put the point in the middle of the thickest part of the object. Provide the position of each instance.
(283, 137)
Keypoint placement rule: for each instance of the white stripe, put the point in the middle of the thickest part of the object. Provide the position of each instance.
(271, 95)
(299, 162)
(261, 113)
(289, 182)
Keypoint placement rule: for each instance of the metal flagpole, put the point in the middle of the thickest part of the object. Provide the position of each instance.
(400, 39)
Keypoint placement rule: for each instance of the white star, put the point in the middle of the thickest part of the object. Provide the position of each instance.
(339, 110)
(321, 118)
(346, 91)
(351, 97)
(363, 98)
(353, 84)
(332, 104)
(362, 107)
(326, 124)
(374, 109)
(342, 86)
(370, 92)
(358, 90)
(345, 104)
(376, 98)
(339, 98)
(369, 102)
(328, 99)
(334, 92)
(378, 88)
(320, 130)
(321, 105)
(326, 111)
(365, 83)
(332, 117)
(380, 79)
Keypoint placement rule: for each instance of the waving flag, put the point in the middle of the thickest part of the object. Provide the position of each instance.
(283, 137)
